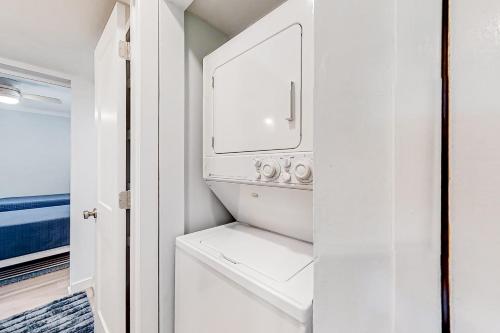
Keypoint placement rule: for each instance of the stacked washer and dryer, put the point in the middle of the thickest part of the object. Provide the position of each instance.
(256, 274)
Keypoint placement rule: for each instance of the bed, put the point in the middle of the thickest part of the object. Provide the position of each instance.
(33, 227)
(37, 201)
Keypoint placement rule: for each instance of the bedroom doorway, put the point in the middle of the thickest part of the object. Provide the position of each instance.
(35, 173)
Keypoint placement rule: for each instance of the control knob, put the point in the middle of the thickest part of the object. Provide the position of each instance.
(270, 169)
(303, 171)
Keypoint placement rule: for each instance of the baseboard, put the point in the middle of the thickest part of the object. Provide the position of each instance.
(81, 285)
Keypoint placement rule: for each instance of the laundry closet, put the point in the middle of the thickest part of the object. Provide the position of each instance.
(246, 262)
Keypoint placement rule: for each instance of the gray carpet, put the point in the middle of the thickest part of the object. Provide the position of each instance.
(71, 314)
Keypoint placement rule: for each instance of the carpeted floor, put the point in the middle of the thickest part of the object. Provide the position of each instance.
(71, 314)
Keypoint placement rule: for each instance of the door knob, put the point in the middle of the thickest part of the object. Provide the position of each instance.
(87, 214)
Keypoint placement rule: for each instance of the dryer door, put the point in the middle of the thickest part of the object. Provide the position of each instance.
(257, 96)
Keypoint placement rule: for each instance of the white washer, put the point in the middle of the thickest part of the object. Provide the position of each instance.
(237, 278)
(255, 275)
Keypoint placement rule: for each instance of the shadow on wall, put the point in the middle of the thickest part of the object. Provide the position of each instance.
(203, 209)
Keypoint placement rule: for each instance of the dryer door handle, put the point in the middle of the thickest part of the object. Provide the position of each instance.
(291, 116)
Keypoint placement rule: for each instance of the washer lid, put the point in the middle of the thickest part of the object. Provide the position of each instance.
(275, 268)
(275, 256)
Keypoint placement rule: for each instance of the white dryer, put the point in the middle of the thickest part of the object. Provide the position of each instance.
(255, 275)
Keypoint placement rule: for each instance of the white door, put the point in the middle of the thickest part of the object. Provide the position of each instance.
(110, 108)
(257, 96)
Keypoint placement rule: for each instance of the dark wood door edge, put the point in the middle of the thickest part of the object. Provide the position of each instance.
(445, 174)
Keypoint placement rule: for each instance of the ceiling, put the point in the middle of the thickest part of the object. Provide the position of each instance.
(61, 35)
(55, 34)
(232, 16)
(27, 86)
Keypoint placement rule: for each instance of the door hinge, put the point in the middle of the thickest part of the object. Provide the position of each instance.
(124, 50)
(124, 200)
(213, 82)
(213, 142)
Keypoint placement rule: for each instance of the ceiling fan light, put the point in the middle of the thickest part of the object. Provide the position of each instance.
(9, 95)
(9, 100)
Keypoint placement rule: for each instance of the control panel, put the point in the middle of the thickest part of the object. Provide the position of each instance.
(283, 170)
(295, 169)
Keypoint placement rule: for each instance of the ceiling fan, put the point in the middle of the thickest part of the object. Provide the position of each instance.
(9, 94)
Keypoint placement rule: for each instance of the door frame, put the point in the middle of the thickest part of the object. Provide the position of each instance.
(153, 243)
(144, 166)
(80, 86)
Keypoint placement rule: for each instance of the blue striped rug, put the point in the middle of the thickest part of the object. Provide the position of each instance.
(71, 314)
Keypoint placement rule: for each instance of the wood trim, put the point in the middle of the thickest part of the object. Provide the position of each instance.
(445, 173)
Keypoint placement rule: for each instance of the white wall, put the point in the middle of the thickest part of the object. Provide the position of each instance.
(475, 166)
(203, 209)
(35, 154)
(183, 198)
(83, 183)
(171, 153)
(376, 197)
(417, 167)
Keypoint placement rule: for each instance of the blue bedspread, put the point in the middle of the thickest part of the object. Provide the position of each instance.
(32, 230)
(18, 203)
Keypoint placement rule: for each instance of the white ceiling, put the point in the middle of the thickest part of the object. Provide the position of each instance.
(27, 86)
(61, 34)
(55, 34)
(232, 16)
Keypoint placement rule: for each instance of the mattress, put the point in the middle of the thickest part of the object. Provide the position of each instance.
(19, 203)
(32, 230)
